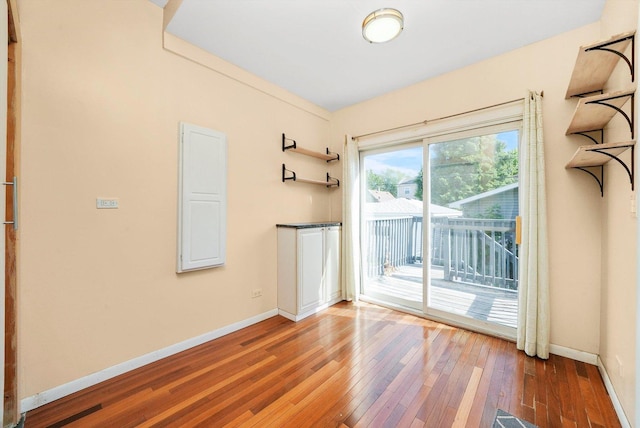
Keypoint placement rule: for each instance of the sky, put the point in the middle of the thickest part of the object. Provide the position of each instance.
(409, 161)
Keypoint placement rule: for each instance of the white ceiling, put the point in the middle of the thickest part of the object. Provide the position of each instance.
(315, 49)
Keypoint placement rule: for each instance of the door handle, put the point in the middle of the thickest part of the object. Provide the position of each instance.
(13, 183)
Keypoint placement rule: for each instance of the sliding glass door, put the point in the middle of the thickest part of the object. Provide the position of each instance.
(438, 227)
(473, 205)
(392, 233)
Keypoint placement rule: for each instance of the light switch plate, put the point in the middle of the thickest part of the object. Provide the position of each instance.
(111, 203)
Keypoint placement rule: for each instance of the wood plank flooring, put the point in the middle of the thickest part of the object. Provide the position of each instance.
(353, 365)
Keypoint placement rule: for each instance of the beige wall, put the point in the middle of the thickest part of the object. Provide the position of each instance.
(619, 227)
(101, 106)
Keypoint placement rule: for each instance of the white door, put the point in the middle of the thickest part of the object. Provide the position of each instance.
(310, 269)
(203, 198)
(332, 262)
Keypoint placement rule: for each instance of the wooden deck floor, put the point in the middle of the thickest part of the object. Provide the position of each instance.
(353, 365)
(477, 302)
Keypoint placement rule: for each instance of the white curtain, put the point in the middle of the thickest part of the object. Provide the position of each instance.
(533, 296)
(351, 220)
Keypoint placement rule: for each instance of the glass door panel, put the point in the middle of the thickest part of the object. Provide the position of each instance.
(473, 204)
(392, 251)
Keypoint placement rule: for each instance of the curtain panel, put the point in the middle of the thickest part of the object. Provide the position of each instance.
(533, 295)
(351, 220)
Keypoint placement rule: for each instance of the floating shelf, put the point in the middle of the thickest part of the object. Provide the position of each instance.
(593, 113)
(293, 147)
(596, 62)
(287, 175)
(596, 155)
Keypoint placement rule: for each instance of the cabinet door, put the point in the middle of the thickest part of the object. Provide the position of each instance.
(310, 270)
(202, 196)
(332, 263)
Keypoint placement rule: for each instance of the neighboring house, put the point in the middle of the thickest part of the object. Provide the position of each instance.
(497, 203)
(407, 188)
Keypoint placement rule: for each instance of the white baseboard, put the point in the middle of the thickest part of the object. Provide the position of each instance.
(612, 394)
(30, 403)
(303, 315)
(585, 357)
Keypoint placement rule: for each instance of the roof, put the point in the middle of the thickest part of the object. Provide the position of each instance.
(410, 180)
(381, 195)
(403, 206)
(458, 204)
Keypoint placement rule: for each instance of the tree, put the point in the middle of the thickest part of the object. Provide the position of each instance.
(387, 181)
(464, 168)
(419, 180)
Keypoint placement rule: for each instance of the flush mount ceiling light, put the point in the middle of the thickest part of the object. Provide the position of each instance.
(382, 25)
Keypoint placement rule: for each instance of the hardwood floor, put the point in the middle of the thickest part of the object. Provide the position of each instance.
(351, 365)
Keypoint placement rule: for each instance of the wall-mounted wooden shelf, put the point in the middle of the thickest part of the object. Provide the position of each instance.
(596, 155)
(593, 113)
(293, 147)
(287, 175)
(594, 66)
(596, 62)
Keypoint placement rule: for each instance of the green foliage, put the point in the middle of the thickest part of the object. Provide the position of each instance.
(463, 168)
(419, 183)
(493, 212)
(387, 181)
(459, 169)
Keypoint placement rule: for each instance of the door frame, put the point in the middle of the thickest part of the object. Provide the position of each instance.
(8, 169)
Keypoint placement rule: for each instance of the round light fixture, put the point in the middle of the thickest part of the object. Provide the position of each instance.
(382, 25)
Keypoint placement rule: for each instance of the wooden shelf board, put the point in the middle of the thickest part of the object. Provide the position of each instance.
(319, 182)
(585, 157)
(593, 68)
(590, 117)
(314, 154)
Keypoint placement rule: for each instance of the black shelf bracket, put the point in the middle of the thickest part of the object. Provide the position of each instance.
(629, 118)
(588, 94)
(286, 177)
(337, 156)
(605, 48)
(284, 143)
(599, 180)
(630, 170)
(586, 134)
(335, 183)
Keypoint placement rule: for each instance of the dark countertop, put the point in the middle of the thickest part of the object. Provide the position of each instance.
(309, 225)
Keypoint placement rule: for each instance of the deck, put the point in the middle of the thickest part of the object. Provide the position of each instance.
(474, 301)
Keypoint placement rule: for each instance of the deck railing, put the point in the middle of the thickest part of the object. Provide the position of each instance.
(476, 251)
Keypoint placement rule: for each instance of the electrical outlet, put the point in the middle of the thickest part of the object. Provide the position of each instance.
(111, 203)
(256, 292)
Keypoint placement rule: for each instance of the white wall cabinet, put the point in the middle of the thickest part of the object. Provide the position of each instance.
(202, 198)
(308, 268)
